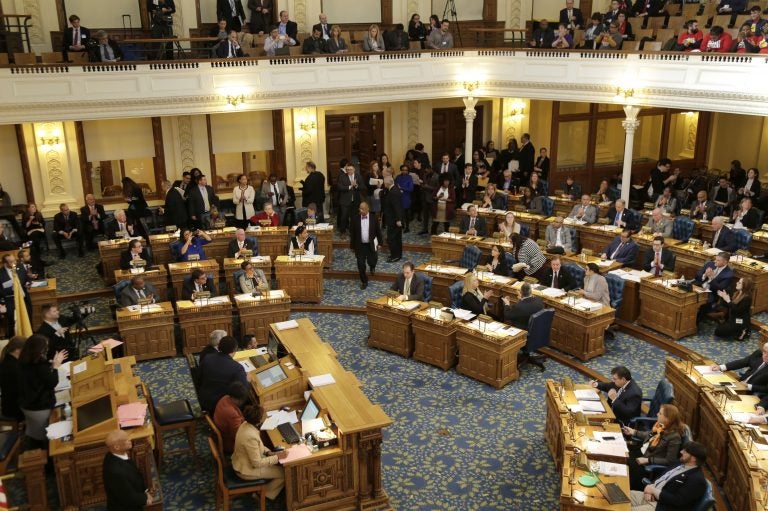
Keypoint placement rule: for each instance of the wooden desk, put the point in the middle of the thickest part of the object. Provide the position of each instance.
(443, 277)
(390, 326)
(434, 340)
(180, 271)
(488, 357)
(584, 260)
(324, 236)
(40, 296)
(450, 247)
(759, 245)
(596, 237)
(579, 332)
(161, 247)
(156, 275)
(199, 320)
(273, 241)
(109, 253)
(231, 265)
(590, 498)
(743, 485)
(219, 245)
(300, 277)
(148, 332)
(256, 313)
(668, 309)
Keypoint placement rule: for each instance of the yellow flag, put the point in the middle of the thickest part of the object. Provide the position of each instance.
(23, 324)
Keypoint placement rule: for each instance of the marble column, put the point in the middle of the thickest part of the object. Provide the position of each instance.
(630, 125)
(469, 117)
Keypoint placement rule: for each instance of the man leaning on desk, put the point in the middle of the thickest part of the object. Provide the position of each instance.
(197, 282)
(409, 284)
(584, 212)
(138, 290)
(625, 395)
(135, 252)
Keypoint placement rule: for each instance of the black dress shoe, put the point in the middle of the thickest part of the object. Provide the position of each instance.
(393, 259)
(373, 271)
(421, 233)
(363, 285)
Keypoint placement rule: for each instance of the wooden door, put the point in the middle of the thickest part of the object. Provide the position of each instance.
(449, 130)
(338, 143)
(370, 138)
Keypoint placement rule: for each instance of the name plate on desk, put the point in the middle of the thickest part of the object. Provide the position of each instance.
(193, 257)
(201, 295)
(246, 253)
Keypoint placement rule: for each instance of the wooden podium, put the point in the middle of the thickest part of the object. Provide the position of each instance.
(156, 275)
(668, 309)
(256, 313)
(147, 331)
(180, 271)
(109, 252)
(390, 325)
(40, 296)
(301, 277)
(487, 356)
(434, 339)
(198, 319)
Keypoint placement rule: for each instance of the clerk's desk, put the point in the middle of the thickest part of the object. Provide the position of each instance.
(348, 475)
(155, 275)
(147, 330)
(257, 312)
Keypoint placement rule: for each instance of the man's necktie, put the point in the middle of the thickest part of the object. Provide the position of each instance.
(76, 37)
(232, 51)
(407, 287)
(444, 169)
(657, 265)
(275, 197)
(471, 223)
(206, 204)
(555, 281)
(618, 249)
(756, 371)
(714, 239)
(617, 219)
(364, 217)
(141, 293)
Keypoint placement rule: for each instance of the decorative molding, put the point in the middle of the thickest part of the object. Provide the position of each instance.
(300, 15)
(515, 10)
(306, 146)
(413, 6)
(186, 142)
(32, 7)
(413, 123)
(690, 145)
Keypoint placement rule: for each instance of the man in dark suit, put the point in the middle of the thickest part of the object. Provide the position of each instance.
(715, 277)
(175, 209)
(66, 226)
(365, 238)
(288, 27)
(217, 372)
(199, 200)
(571, 17)
(261, 15)
(618, 216)
(123, 482)
(107, 50)
(324, 27)
(74, 38)
(658, 259)
(622, 249)
(558, 277)
(9, 271)
(239, 243)
(472, 224)
(313, 187)
(56, 328)
(703, 208)
(518, 314)
(230, 48)
(624, 394)
(392, 216)
(680, 488)
(120, 225)
(527, 156)
(349, 195)
(135, 252)
(183, 183)
(92, 217)
(447, 167)
(466, 186)
(408, 284)
(311, 213)
(314, 44)
(722, 237)
(396, 39)
(139, 289)
(756, 375)
(197, 282)
(232, 11)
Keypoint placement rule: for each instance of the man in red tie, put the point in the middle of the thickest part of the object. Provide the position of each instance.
(658, 259)
(365, 238)
(75, 37)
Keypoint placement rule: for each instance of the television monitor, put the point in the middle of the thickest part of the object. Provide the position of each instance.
(94, 412)
(311, 410)
(273, 346)
(271, 375)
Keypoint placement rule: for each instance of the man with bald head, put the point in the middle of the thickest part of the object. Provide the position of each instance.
(92, 217)
(123, 483)
(722, 236)
(241, 242)
(323, 26)
(659, 224)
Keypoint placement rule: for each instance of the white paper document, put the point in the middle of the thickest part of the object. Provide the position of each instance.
(59, 430)
(553, 292)
(287, 325)
(613, 469)
(705, 370)
(592, 406)
(607, 449)
(742, 417)
(463, 314)
(586, 395)
(321, 380)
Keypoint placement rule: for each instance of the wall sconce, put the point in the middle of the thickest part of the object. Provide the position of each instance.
(624, 95)
(517, 110)
(49, 140)
(233, 101)
(308, 125)
(470, 87)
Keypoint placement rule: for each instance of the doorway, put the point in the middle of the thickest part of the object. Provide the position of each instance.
(449, 130)
(359, 137)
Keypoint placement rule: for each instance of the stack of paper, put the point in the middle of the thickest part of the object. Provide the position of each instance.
(586, 395)
(287, 325)
(614, 450)
(132, 415)
(613, 469)
(296, 452)
(321, 380)
(463, 314)
(552, 292)
(277, 417)
(705, 370)
(409, 305)
(58, 430)
(592, 407)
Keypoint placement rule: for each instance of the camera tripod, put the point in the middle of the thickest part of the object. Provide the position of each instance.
(450, 7)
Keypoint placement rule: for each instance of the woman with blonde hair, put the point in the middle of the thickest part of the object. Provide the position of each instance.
(472, 298)
(373, 40)
(336, 43)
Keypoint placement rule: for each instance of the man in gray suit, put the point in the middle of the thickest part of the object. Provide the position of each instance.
(659, 224)
(275, 193)
(558, 237)
(585, 212)
(138, 290)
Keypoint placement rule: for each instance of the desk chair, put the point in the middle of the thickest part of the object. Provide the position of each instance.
(194, 373)
(708, 501)
(229, 484)
(175, 249)
(236, 284)
(255, 241)
(664, 394)
(548, 205)
(539, 330)
(616, 295)
(743, 238)
(168, 417)
(577, 272)
(217, 439)
(427, 286)
(470, 257)
(510, 257)
(682, 228)
(10, 447)
(455, 292)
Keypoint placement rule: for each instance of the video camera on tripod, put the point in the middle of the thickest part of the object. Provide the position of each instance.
(79, 311)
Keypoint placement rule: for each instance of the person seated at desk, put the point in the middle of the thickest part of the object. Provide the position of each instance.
(251, 460)
(497, 261)
(37, 380)
(602, 192)
(722, 236)
(585, 212)
(508, 226)
(746, 217)
(535, 185)
(9, 379)
(506, 182)
(619, 216)
(702, 208)
(625, 396)
(409, 284)
(667, 202)
(658, 224)
(241, 243)
(138, 290)
(558, 277)
(253, 279)
(492, 199)
(472, 299)
(214, 338)
(66, 226)
(123, 482)
(92, 217)
(530, 260)
(192, 244)
(659, 446)
(217, 372)
(679, 488)
(267, 214)
(714, 277)
(558, 238)
(520, 313)
(738, 322)
(311, 213)
(134, 252)
(622, 249)
(658, 259)
(472, 224)
(55, 328)
(756, 375)
(248, 342)
(198, 282)
(302, 240)
(571, 189)
(121, 226)
(595, 285)
(227, 415)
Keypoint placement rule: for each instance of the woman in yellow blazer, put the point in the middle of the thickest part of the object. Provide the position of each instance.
(251, 460)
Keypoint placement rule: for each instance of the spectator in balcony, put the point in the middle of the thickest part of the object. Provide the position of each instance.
(161, 15)
(288, 28)
(740, 43)
(563, 39)
(107, 49)
(625, 27)
(396, 39)
(434, 24)
(571, 17)
(75, 37)
(276, 41)
(690, 38)
(232, 11)
(717, 41)
(417, 31)
(219, 32)
(323, 26)
(646, 8)
(231, 48)
(759, 42)
(336, 43)
(373, 41)
(315, 44)
(757, 22)
(442, 38)
(542, 36)
(610, 40)
(593, 31)
(613, 14)
(261, 15)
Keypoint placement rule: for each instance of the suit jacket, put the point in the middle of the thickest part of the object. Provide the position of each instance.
(311, 46)
(453, 172)
(667, 450)
(724, 280)
(222, 50)
(519, 313)
(417, 286)
(217, 372)
(758, 379)
(467, 194)
(248, 285)
(355, 235)
(627, 405)
(69, 224)
(396, 40)
(112, 228)
(590, 214)
(623, 217)
(188, 287)
(577, 15)
(664, 226)
(233, 248)
(6, 290)
(66, 41)
(125, 258)
(325, 33)
(683, 492)
(596, 289)
(392, 207)
(709, 207)
(303, 216)
(292, 30)
(175, 208)
(85, 214)
(347, 196)
(250, 458)
(565, 280)
(480, 225)
(751, 220)
(57, 343)
(528, 152)
(667, 260)
(117, 52)
(195, 202)
(129, 296)
(123, 484)
(628, 253)
(565, 237)
(261, 215)
(313, 190)
(472, 303)
(726, 241)
(234, 18)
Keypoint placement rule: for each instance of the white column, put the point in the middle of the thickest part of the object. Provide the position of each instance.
(469, 117)
(630, 125)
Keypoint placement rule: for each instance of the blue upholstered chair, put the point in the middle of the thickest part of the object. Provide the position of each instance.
(510, 257)
(549, 206)
(455, 292)
(664, 394)
(236, 281)
(760, 216)
(633, 219)
(539, 330)
(255, 241)
(615, 290)
(708, 501)
(175, 249)
(119, 287)
(427, 286)
(574, 239)
(544, 187)
(577, 272)
(525, 230)
(613, 193)
(743, 238)
(682, 228)
(470, 257)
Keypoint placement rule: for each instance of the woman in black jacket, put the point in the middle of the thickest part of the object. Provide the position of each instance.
(497, 262)
(137, 206)
(739, 305)
(9, 378)
(37, 380)
(472, 298)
